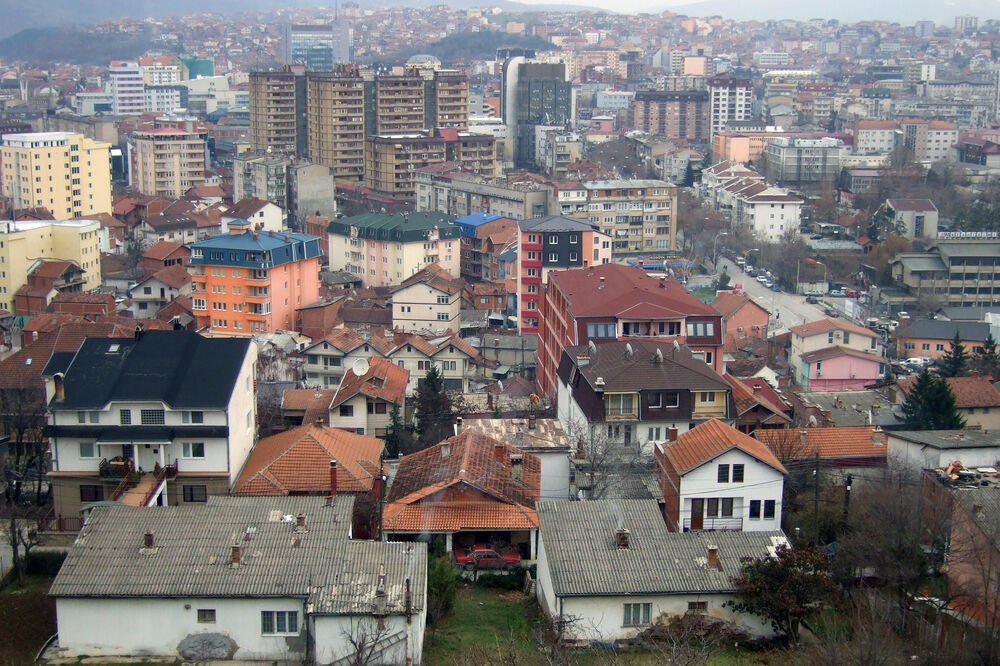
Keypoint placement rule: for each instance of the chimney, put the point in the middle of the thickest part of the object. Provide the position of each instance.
(621, 538)
(237, 554)
(237, 227)
(671, 434)
(713, 558)
(458, 426)
(531, 422)
(803, 437)
(147, 539)
(877, 437)
(333, 477)
(300, 519)
(60, 386)
(500, 452)
(138, 331)
(445, 449)
(977, 508)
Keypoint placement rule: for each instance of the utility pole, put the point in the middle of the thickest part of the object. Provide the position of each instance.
(847, 501)
(816, 501)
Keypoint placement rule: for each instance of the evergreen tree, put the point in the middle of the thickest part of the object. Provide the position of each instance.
(395, 432)
(434, 410)
(930, 405)
(722, 283)
(987, 361)
(956, 360)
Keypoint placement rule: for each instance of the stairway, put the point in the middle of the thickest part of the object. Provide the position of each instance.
(136, 495)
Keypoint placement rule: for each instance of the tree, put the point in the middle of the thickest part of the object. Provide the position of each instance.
(434, 410)
(722, 283)
(22, 418)
(930, 405)
(955, 360)
(987, 361)
(21, 539)
(442, 583)
(395, 433)
(785, 589)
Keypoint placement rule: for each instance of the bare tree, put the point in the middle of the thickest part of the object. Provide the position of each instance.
(365, 638)
(22, 538)
(23, 418)
(602, 462)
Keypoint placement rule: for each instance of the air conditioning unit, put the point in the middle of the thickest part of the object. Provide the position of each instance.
(819, 373)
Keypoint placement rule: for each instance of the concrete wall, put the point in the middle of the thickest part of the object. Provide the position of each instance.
(331, 632)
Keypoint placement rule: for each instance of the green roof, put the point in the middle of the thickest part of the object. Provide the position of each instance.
(404, 227)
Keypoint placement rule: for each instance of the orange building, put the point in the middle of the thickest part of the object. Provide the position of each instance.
(248, 282)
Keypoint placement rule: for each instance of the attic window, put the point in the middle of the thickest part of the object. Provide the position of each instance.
(28, 361)
(114, 348)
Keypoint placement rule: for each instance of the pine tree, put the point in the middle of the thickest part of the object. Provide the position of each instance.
(434, 410)
(987, 361)
(956, 360)
(930, 405)
(395, 432)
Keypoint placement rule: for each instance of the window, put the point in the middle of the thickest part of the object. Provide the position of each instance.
(605, 330)
(769, 508)
(738, 473)
(637, 615)
(654, 399)
(712, 507)
(91, 493)
(193, 450)
(347, 410)
(553, 256)
(723, 474)
(442, 316)
(81, 417)
(697, 605)
(754, 509)
(151, 416)
(553, 239)
(125, 416)
(87, 450)
(619, 404)
(727, 507)
(442, 300)
(279, 622)
(206, 615)
(195, 493)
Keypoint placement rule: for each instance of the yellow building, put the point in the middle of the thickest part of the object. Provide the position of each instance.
(66, 173)
(25, 242)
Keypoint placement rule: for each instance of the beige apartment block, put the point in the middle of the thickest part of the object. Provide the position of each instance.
(166, 162)
(336, 121)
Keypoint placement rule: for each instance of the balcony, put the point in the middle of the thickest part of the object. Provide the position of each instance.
(702, 524)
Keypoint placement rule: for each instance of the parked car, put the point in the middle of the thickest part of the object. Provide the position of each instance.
(919, 361)
(767, 283)
(837, 293)
(814, 292)
(487, 557)
(852, 293)
(816, 237)
(812, 299)
(762, 278)
(741, 262)
(830, 312)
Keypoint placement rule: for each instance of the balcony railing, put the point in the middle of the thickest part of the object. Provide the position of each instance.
(715, 525)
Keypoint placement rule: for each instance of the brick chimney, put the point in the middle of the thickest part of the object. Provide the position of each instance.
(621, 538)
(671, 434)
(237, 555)
(500, 452)
(445, 450)
(713, 558)
(531, 422)
(300, 519)
(333, 477)
(458, 426)
(147, 539)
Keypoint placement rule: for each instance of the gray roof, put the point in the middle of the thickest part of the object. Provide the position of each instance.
(923, 263)
(967, 312)
(853, 408)
(583, 560)
(937, 329)
(968, 248)
(555, 223)
(621, 371)
(192, 553)
(950, 439)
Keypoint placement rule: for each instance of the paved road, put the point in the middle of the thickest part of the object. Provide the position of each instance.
(786, 309)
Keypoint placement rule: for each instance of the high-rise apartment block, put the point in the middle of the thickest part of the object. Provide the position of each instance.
(277, 102)
(730, 100)
(320, 47)
(391, 161)
(247, 282)
(638, 215)
(298, 187)
(167, 161)
(127, 87)
(675, 114)
(534, 93)
(63, 172)
(335, 119)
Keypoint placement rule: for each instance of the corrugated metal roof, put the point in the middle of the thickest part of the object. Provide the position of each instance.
(192, 553)
(584, 560)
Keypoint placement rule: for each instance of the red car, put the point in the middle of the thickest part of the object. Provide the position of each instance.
(852, 293)
(487, 557)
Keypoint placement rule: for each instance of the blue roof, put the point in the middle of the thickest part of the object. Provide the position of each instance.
(469, 223)
(255, 250)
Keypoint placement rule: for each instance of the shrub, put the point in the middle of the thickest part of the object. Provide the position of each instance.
(44, 562)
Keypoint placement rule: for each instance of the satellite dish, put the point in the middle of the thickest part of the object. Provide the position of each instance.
(677, 346)
(592, 347)
(360, 367)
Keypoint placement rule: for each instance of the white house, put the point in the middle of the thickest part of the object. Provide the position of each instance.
(156, 291)
(610, 568)
(429, 302)
(714, 477)
(241, 578)
(262, 215)
(936, 449)
(172, 405)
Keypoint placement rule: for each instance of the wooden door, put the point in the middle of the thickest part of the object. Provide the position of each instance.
(697, 514)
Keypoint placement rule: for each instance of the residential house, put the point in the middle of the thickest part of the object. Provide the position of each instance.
(848, 449)
(365, 398)
(757, 405)
(429, 302)
(933, 338)
(544, 438)
(151, 294)
(976, 399)
(45, 280)
(933, 449)
(595, 565)
(93, 305)
(262, 215)
(916, 219)
(611, 302)
(716, 478)
(164, 254)
(173, 406)
(742, 317)
(637, 393)
(470, 489)
(843, 409)
(491, 296)
(484, 237)
(832, 354)
(245, 578)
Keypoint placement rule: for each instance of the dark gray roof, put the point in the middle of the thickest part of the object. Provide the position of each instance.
(950, 439)
(944, 330)
(179, 368)
(583, 560)
(967, 312)
(853, 408)
(620, 371)
(556, 223)
(192, 554)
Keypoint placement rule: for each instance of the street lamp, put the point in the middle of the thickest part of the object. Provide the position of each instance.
(715, 256)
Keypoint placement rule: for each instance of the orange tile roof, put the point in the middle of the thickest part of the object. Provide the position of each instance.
(175, 276)
(161, 250)
(824, 325)
(452, 517)
(845, 442)
(969, 392)
(728, 303)
(746, 398)
(711, 439)
(298, 460)
(384, 380)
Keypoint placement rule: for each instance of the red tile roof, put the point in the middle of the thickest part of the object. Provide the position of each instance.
(825, 325)
(245, 208)
(711, 439)
(844, 442)
(746, 398)
(313, 403)
(384, 380)
(161, 250)
(729, 302)
(969, 392)
(53, 269)
(615, 289)
(298, 460)
(175, 276)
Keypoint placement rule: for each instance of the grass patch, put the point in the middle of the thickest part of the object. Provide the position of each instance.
(482, 623)
(704, 293)
(27, 619)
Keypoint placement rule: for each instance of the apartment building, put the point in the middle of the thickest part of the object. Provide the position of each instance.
(748, 146)
(25, 243)
(391, 161)
(335, 117)
(675, 114)
(730, 100)
(484, 238)
(277, 122)
(534, 93)
(950, 272)
(834, 355)
(65, 173)
(244, 282)
(553, 243)
(128, 95)
(395, 104)
(116, 435)
(803, 163)
(299, 187)
(928, 141)
(912, 218)
(383, 250)
(166, 161)
(319, 46)
(447, 188)
(638, 215)
(613, 301)
(428, 303)
(451, 100)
